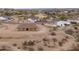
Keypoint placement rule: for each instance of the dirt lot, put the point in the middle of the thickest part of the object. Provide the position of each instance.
(41, 40)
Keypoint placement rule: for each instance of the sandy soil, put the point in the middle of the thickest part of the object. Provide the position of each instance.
(9, 36)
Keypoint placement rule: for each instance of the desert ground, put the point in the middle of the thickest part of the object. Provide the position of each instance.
(42, 40)
(39, 29)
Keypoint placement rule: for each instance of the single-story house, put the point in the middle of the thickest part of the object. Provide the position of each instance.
(31, 20)
(5, 18)
(62, 23)
(27, 27)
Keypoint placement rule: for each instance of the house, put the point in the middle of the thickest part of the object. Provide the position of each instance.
(63, 23)
(27, 27)
(5, 18)
(31, 20)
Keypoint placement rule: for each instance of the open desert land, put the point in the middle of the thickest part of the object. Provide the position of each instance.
(39, 29)
(41, 40)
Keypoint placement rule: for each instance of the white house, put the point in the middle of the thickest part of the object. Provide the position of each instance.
(31, 20)
(63, 23)
(5, 18)
(2, 18)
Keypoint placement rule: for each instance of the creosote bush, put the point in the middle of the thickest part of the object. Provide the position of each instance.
(24, 47)
(54, 40)
(0, 37)
(18, 47)
(24, 43)
(30, 48)
(64, 40)
(53, 33)
(31, 43)
(27, 44)
(76, 28)
(74, 48)
(69, 31)
(14, 44)
(66, 37)
(40, 48)
(45, 39)
(5, 48)
(60, 43)
(55, 28)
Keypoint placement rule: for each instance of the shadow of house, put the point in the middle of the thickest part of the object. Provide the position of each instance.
(27, 27)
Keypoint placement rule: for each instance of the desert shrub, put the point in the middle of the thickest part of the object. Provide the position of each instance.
(14, 44)
(54, 40)
(77, 40)
(42, 24)
(51, 46)
(76, 28)
(66, 37)
(40, 48)
(45, 39)
(76, 37)
(74, 48)
(51, 29)
(5, 48)
(53, 33)
(64, 40)
(31, 49)
(24, 47)
(69, 31)
(55, 28)
(77, 31)
(8, 37)
(1, 23)
(18, 47)
(45, 44)
(0, 37)
(31, 43)
(24, 43)
(60, 43)
(37, 41)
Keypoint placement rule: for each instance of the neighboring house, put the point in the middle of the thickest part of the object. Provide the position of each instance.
(63, 23)
(27, 27)
(5, 18)
(31, 20)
